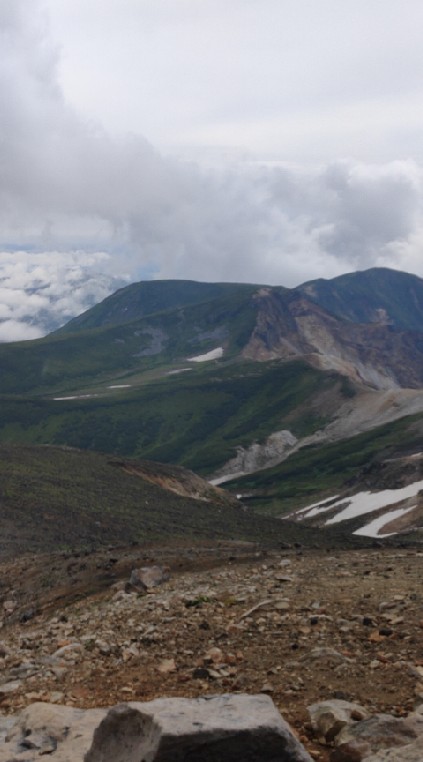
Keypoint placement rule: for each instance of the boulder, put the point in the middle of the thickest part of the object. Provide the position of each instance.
(409, 753)
(61, 732)
(223, 728)
(380, 738)
(382, 731)
(328, 718)
(147, 577)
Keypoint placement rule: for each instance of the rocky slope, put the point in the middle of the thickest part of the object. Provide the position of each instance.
(376, 355)
(365, 410)
(179, 480)
(301, 626)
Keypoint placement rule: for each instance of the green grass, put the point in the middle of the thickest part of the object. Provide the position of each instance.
(196, 419)
(62, 363)
(61, 499)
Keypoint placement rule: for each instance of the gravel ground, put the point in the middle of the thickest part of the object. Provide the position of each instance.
(301, 626)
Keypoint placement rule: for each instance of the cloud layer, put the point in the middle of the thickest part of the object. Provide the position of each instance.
(68, 190)
(41, 291)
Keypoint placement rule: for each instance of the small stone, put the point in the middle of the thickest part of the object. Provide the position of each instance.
(214, 655)
(167, 666)
(10, 687)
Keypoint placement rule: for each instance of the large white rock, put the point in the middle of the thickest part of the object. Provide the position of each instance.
(224, 728)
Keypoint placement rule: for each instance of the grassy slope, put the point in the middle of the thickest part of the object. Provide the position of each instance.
(61, 363)
(147, 297)
(55, 498)
(194, 419)
(322, 469)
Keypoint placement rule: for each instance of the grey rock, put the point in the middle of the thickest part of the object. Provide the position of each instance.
(328, 718)
(225, 728)
(64, 733)
(148, 577)
(383, 732)
(410, 753)
(326, 654)
(6, 724)
(10, 687)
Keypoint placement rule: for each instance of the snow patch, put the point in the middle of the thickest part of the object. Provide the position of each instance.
(119, 386)
(75, 397)
(315, 508)
(214, 354)
(372, 529)
(175, 372)
(367, 502)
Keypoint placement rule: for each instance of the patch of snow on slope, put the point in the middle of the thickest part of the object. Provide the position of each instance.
(75, 397)
(366, 502)
(119, 386)
(315, 508)
(176, 372)
(372, 529)
(214, 354)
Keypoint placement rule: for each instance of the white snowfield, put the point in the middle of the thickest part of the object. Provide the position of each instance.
(214, 354)
(366, 502)
(315, 508)
(360, 505)
(373, 529)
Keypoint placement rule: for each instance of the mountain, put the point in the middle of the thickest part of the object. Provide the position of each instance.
(378, 295)
(228, 379)
(242, 322)
(145, 298)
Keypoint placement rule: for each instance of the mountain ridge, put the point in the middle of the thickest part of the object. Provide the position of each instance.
(199, 382)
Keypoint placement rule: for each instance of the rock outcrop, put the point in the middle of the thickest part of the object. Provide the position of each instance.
(249, 459)
(223, 728)
(358, 737)
(374, 354)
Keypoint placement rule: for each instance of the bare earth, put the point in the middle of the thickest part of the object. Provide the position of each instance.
(302, 626)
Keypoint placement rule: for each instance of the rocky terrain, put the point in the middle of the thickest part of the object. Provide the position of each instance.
(373, 354)
(302, 626)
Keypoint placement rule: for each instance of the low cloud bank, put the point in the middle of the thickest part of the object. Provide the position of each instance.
(41, 291)
(67, 186)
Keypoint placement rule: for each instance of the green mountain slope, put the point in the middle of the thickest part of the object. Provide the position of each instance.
(53, 498)
(60, 363)
(322, 469)
(196, 419)
(133, 388)
(140, 299)
(378, 295)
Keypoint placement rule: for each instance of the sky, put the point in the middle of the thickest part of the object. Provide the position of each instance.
(267, 141)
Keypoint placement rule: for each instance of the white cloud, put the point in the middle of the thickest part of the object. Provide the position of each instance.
(41, 291)
(70, 189)
(13, 330)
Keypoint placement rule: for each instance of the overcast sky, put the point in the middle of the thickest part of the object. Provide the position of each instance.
(269, 141)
